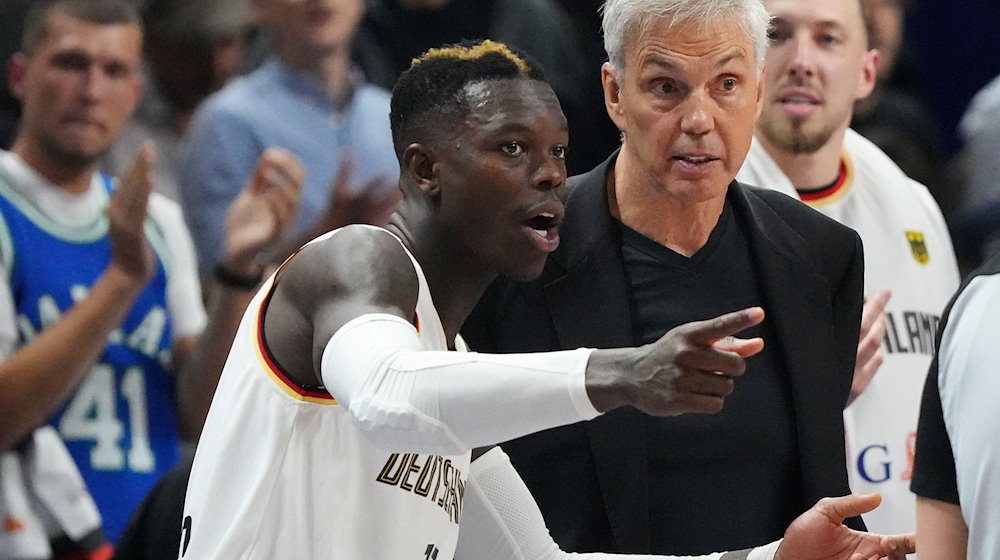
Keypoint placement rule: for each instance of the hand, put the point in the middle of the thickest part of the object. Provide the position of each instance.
(373, 203)
(819, 534)
(870, 344)
(263, 210)
(690, 369)
(130, 252)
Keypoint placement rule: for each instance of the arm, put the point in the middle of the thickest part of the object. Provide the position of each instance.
(40, 376)
(941, 530)
(254, 224)
(500, 520)
(352, 295)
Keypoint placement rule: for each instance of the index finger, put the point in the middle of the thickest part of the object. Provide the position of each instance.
(711, 330)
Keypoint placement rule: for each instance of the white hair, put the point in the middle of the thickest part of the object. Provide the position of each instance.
(632, 18)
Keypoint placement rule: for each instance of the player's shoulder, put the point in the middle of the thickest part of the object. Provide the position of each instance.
(352, 256)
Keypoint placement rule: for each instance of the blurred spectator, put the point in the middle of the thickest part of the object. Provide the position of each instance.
(394, 32)
(305, 98)
(192, 49)
(893, 117)
(977, 224)
(100, 306)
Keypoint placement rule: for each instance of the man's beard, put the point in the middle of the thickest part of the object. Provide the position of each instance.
(792, 137)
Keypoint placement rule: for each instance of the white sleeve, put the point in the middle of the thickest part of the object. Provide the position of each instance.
(403, 397)
(184, 299)
(501, 521)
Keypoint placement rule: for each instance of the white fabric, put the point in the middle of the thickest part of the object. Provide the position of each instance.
(42, 496)
(969, 382)
(882, 204)
(402, 397)
(503, 522)
(184, 298)
(309, 485)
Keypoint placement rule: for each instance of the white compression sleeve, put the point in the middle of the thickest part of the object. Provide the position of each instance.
(406, 398)
(501, 521)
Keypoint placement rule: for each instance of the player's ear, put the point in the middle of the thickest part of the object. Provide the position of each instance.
(420, 168)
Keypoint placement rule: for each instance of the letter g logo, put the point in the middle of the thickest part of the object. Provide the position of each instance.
(865, 464)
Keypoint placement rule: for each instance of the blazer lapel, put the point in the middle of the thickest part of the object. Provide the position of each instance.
(585, 291)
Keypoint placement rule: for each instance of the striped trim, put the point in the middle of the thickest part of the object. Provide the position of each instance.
(834, 192)
(271, 367)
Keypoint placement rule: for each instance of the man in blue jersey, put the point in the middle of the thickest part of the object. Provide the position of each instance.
(100, 303)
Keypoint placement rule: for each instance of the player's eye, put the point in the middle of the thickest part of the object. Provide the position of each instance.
(512, 148)
(560, 152)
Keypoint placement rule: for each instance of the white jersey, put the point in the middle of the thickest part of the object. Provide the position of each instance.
(282, 472)
(908, 250)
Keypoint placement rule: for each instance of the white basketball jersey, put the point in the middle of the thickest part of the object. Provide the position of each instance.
(908, 250)
(281, 472)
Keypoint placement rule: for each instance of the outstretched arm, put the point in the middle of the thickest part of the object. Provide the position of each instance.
(500, 520)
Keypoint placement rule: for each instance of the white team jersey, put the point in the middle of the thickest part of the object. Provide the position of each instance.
(908, 250)
(281, 471)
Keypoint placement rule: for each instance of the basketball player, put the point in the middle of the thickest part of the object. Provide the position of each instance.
(345, 416)
(818, 65)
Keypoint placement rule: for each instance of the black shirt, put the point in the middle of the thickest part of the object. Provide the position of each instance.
(739, 467)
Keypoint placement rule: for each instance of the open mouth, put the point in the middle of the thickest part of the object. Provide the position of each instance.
(543, 223)
(695, 160)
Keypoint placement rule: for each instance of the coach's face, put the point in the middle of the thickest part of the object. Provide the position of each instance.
(686, 102)
(311, 27)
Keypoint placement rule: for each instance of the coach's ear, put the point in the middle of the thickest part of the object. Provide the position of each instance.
(420, 168)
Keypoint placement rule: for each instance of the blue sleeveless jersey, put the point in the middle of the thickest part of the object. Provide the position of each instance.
(119, 425)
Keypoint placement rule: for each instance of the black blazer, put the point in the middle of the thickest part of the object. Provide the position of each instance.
(590, 478)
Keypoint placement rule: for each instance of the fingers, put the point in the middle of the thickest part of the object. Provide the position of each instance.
(873, 309)
(741, 346)
(708, 332)
(840, 508)
(133, 192)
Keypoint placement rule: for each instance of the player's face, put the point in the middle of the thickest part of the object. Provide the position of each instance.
(314, 26)
(686, 101)
(78, 88)
(818, 65)
(502, 174)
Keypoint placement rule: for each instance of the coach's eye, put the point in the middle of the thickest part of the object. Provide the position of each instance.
(559, 152)
(513, 148)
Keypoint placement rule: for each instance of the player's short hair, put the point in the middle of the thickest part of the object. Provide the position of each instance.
(102, 12)
(625, 20)
(434, 90)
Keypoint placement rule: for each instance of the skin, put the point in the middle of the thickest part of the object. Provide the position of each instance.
(77, 90)
(818, 55)
(685, 91)
(941, 530)
(314, 36)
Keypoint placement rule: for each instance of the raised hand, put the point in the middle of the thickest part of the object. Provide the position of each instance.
(264, 209)
(372, 204)
(689, 369)
(869, 357)
(820, 534)
(130, 252)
